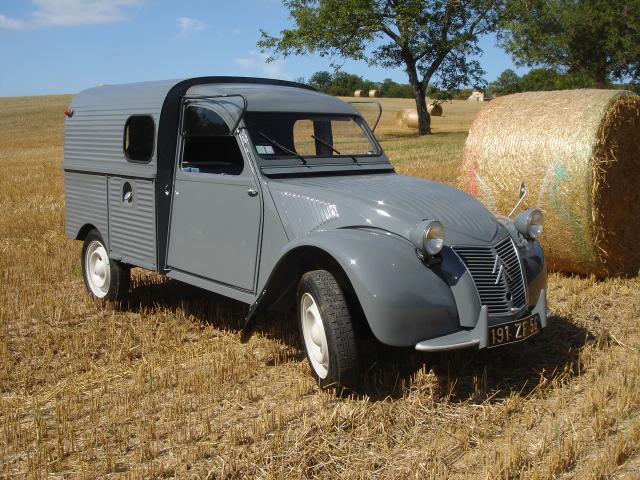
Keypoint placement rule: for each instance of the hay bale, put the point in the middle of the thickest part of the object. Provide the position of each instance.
(358, 93)
(374, 93)
(578, 152)
(400, 114)
(411, 118)
(435, 109)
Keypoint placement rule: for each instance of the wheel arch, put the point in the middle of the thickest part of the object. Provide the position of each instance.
(279, 292)
(401, 301)
(84, 231)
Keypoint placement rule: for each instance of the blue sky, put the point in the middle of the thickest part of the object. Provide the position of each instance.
(64, 46)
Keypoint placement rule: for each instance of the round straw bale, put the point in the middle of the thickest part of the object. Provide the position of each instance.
(411, 118)
(358, 93)
(578, 153)
(374, 93)
(435, 109)
(400, 114)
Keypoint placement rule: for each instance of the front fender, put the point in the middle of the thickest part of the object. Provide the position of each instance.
(403, 300)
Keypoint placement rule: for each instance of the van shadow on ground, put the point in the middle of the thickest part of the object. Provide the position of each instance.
(494, 374)
(389, 372)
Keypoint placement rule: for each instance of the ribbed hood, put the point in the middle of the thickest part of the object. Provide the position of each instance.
(388, 201)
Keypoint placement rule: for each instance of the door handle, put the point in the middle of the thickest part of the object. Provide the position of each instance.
(252, 192)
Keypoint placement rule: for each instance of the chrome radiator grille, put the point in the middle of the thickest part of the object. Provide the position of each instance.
(498, 276)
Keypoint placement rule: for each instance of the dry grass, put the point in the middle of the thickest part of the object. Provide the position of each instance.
(163, 387)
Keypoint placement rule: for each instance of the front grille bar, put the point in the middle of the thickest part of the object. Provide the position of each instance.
(497, 273)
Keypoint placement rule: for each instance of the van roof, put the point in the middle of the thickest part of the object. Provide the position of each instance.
(262, 95)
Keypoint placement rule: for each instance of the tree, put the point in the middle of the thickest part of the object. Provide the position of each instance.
(391, 89)
(508, 82)
(345, 84)
(597, 38)
(433, 40)
(321, 80)
(539, 79)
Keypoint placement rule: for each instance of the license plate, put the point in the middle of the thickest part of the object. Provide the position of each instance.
(513, 332)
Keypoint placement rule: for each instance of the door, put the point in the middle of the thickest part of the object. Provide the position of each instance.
(216, 210)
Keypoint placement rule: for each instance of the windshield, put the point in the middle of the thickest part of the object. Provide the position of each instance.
(306, 136)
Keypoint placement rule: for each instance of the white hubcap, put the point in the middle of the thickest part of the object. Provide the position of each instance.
(315, 338)
(97, 268)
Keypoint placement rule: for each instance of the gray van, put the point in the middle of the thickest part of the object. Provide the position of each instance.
(276, 195)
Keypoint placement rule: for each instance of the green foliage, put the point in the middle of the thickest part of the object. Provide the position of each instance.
(463, 94)
(633, 87)
(539, 79)
(578, 79)
(321, 80)
(597, 40)
(346, 83)
(340, 83)
(508, 82)
(391, 89)
(434, 41)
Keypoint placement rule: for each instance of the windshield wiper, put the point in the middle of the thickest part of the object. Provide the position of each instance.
(283, 148)
(327, 144)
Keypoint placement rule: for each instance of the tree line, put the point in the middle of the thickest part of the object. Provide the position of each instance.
(436, 42)
(541, 79)
(344, 84)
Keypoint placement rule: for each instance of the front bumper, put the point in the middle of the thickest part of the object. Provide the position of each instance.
(477, 337)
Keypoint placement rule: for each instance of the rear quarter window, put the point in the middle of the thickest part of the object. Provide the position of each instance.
(139, 136)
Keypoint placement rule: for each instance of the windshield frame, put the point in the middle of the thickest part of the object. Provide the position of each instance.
(286, 160)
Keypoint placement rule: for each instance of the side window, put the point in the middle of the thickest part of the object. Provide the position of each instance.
(139, 136)
(209, 146)
(204, 122)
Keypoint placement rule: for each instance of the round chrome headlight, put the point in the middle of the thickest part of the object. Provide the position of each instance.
(428, 237)
(530, 223)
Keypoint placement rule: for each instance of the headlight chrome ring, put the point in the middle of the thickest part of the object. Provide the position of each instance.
(530, 223)
(428, 237)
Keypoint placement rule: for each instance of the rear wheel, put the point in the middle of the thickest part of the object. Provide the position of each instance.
(327, 330)
(104, 278)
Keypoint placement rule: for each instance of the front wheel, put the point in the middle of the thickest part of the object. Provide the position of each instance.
(103, 277)
(327, 330)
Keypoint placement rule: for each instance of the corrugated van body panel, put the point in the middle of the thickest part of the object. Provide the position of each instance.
(94, 157)
(94, 137)
(132, 226)
(86, 202)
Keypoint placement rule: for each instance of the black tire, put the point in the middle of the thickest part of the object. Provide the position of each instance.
(116, 277)
(342, 369)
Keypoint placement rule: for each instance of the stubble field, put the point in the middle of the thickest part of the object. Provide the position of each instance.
(163, 386)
